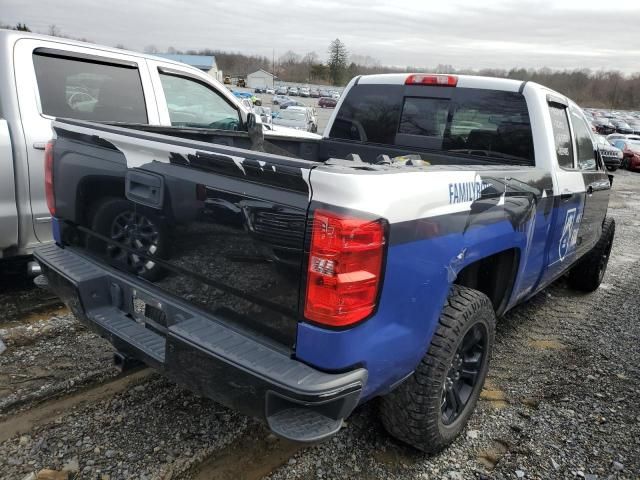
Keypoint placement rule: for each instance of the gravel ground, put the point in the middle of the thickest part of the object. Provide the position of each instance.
(560, 401)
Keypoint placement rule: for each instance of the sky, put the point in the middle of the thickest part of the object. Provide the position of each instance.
(561, 34)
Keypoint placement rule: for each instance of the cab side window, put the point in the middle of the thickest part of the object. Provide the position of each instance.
(89, 90)
(561, 135)
(584, 143)
(193, 104)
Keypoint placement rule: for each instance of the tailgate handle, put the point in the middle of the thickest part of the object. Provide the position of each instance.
(144, 188)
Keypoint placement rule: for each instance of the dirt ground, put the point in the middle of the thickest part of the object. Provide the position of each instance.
(560, 400)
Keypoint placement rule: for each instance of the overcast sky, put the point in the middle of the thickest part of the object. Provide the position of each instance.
(464, 33)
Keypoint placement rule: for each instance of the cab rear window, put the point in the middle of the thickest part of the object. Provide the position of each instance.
(475, 122)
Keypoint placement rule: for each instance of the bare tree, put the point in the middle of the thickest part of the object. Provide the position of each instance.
(54, 31)
(150, 49)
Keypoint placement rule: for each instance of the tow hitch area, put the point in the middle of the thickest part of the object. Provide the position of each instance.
(125, 362)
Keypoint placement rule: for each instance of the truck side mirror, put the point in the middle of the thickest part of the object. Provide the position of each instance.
(251, 121)
(256, 135)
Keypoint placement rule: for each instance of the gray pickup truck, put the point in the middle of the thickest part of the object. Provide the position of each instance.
(43, 77)
(370, 263)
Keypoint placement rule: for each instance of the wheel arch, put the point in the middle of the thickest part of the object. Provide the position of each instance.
(92, 191)
(494, 275)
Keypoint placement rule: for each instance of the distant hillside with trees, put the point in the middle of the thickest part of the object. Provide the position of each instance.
(600, 89)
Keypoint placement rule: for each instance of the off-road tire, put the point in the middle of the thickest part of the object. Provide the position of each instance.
(412, 412)
(588, 273)
(103, 215)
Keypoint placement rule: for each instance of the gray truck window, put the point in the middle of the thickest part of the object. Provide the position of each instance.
(87, 90)
(193, 104)
(561, 135)
(369, 113)
(584, 144)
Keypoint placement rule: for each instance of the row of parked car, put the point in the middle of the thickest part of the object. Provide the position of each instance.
(618, 136)
(607, 122)
(620, 151)
(312, 92)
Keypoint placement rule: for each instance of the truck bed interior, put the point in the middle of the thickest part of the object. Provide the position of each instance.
(326, 148)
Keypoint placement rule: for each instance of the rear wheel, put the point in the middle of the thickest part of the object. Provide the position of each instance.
(132, 226)
(431, 407)
(587, 275)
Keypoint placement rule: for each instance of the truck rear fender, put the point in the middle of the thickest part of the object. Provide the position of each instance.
(494, 276)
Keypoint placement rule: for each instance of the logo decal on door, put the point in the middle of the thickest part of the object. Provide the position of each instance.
(569, 234)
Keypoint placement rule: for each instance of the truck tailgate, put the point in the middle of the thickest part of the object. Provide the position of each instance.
(213, 225)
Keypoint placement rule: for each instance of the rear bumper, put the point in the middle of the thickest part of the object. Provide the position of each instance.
(203, 353)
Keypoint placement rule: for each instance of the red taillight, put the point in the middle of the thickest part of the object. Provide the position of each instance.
(48, 178)
(345, 263)
(435, 80)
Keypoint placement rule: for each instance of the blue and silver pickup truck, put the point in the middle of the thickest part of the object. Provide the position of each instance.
(295, 282)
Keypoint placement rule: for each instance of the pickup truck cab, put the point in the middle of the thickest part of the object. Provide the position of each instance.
(45, 77)
(370, 263)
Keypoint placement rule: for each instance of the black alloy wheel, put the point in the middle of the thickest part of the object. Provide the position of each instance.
(464, 373)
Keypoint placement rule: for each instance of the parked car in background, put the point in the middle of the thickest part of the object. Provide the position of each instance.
(615, 136)
(265, 114)
(327, 102)
(630, 153)
(291, 103)
(298, 117)
(282, 90)
(294, 91)
(304, 91)
(260, 90)
(611, 156)
(270, 91)
(635, 126)
(622, 127)
(279, 98)
(603, 126)
(314, 93)
(324, 92)
(621, 136)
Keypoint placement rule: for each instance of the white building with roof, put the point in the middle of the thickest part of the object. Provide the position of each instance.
(260, 79)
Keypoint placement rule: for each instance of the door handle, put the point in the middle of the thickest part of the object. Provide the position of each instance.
(566, 196)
